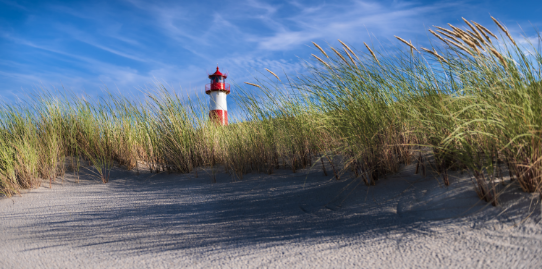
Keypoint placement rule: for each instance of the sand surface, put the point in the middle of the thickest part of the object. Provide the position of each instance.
(284, 220)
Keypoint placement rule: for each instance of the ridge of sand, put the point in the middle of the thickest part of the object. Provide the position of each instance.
(284, 220)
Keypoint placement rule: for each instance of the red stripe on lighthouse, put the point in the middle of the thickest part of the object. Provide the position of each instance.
(217, 91)
(220, 116)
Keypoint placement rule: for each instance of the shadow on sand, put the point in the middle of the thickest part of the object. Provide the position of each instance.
(151, 213)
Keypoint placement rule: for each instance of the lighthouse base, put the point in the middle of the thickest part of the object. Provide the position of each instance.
(219, 116)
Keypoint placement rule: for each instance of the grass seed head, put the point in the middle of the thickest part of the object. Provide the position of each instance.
(504, 30)
(447, 30)
(348, 48)
(340, 56)
(441, 58)
(350, 56)
(408, 44)
(465, 37)
(273, 74)
(437, 35)
(447, 41)
(496, 53)
(461, 47)
(449, 36)
(468, 40)
(478, 42)
(320, 48)
(252, 84)
(474, 30)
(487, 31)
(458, 31)
(475, 38)
(371, 51)
(481, 29)
(322, 61)
(434, 52)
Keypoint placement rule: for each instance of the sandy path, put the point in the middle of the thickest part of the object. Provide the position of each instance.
(285, 220)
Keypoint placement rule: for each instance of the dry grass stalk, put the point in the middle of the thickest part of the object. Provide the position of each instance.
(486, 30)
(451, 42)
(476, 39)
(348, 48)
(474, 30)
(461, 47)
(273, 74)
(449, 36)
(320, 48)
(477, 50)
(252, 84)
(468, 40)
(481, 29)
(458, 31)
(322, 61)
(435, 54)
(408, 44)
(340, 56)
(428, 50)
(447, 30)
(499, 56)
(372, 53)
(350, 56)
(437, 35)
(504, 30)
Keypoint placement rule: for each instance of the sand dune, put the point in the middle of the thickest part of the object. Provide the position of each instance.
(285, 220)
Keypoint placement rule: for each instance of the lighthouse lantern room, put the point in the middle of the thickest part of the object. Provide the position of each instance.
(218, 90)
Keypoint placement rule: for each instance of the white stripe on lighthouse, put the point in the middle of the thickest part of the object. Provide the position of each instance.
(218, 101)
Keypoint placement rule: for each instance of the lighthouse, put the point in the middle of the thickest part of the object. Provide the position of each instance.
(218, 89)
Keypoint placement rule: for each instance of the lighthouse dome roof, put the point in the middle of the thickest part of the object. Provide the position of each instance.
(218, 73)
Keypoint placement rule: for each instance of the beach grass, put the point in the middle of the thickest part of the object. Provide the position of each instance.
(473, 101)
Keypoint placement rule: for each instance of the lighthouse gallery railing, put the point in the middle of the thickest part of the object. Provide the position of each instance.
(217, 87)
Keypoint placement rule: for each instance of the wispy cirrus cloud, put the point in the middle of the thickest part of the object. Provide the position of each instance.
(131, 44)
(89, 39)
(351, 21)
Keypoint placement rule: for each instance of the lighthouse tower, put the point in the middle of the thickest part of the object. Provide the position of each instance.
(218, 90)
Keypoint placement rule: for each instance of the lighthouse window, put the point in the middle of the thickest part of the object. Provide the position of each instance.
(217, 80)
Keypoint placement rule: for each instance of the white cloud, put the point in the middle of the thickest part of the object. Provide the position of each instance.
(244, 37)
(347, 21)
(89, 39)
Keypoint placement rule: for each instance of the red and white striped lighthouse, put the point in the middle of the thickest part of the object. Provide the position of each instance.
(218, 90)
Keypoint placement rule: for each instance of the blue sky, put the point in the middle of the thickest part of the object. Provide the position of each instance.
(85, 46)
